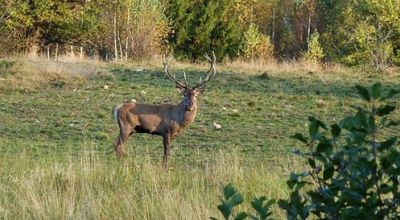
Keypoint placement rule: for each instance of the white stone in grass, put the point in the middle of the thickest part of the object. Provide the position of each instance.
(139, 70)
(106, 86)
(217, 126)
(320, 103)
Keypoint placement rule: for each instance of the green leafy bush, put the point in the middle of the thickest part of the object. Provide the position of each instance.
(231, 198)
(314, 54)
(354, 169)
(257, 46)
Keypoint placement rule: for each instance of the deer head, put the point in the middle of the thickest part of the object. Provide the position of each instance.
(190, 93)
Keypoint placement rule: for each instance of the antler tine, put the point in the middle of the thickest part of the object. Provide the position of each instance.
(212, 68)
(170, 77)
(184, 76)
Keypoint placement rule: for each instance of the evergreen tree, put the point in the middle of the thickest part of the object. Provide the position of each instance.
(203, 25)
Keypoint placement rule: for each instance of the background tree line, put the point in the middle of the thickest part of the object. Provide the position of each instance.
(352, 32)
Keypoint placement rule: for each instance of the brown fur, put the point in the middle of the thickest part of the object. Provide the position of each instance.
(166, 120)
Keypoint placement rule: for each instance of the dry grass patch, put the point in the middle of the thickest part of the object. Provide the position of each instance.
(30, 74)
(137, 188)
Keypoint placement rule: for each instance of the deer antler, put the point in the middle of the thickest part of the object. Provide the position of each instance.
(210, 73)
(172, 78)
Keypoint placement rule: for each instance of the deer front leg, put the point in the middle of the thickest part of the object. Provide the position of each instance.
(166, 142)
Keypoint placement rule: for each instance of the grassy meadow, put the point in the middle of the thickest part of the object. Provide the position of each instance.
(56, 135)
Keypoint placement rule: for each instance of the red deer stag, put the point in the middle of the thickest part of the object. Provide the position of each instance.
(166, 120)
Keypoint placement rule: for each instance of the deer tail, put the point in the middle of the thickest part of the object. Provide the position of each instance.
(115, 112)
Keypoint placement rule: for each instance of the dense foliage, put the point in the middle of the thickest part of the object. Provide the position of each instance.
(231, 198)
(353, 168)
(352, 32)
(203, 25)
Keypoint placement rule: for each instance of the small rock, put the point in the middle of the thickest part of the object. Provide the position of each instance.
(106, 86)
(320, 103)
(217, 126)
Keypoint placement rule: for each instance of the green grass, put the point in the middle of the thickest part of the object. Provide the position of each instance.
(57, 160)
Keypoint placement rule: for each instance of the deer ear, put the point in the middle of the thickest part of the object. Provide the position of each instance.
(200, 90)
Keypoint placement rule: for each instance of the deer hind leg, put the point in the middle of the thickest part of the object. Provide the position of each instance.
(123, 136)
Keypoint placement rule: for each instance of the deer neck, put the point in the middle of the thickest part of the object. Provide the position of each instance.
(186, 117)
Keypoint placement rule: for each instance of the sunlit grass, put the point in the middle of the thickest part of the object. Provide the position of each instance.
(56, 136)
(90, 187)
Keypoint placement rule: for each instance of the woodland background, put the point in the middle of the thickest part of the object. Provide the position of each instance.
(351, 32)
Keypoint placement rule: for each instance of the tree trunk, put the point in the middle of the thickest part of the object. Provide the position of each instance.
(115, 38)
(72, 53)
(81, 54)
(121, 53)
(127, 33)
(273, 26)
(309, 27)
(56, 53)
(48, 52)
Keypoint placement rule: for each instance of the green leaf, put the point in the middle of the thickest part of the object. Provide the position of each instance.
(270, 202)
(236, 199)
(314, 126)
(262, 205)
(371, 124)
(376, 90)
(391, 93)
(335, 130)
(229, 191)
(241, 216)
(360, 120)
(347, 123)
(387, 144)
(363, 92)
(325, 147)
(283, 204)
(385, 110)
(300, 137)
(385, 188)
(299, 185)
(311, 162)
(392, 123)
(225, 209)
(328, 172)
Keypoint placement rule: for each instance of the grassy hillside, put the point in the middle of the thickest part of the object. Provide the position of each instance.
(56, 135)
